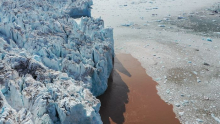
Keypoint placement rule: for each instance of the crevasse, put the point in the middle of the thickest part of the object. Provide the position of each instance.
(51, 68)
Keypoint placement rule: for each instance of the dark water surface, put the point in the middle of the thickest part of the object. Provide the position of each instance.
(132, 97)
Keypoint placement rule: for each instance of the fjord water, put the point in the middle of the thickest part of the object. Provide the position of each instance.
(132, 97)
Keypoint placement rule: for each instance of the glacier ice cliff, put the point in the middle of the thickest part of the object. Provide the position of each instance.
(51, 67)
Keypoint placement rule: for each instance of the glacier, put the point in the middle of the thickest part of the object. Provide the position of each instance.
(51, 67)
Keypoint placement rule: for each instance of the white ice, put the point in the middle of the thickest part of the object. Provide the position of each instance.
(51, 68)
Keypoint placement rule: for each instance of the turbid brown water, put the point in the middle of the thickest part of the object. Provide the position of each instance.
(132, 96)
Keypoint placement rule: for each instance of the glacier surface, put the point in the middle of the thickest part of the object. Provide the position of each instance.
(51, 67)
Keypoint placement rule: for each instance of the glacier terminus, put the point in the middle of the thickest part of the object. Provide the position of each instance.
(51, 67)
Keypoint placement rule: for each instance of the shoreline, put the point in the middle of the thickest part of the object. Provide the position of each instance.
(132, 96)
(164, 37)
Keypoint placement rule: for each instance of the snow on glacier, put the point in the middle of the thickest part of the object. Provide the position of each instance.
(51, 68)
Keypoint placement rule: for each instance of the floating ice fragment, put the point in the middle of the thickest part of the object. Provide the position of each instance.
(161, 25)
(217, 119)
(168, 91)
(209, 39)
(198, 80)
(185, 102)
(157, 79)
(206, 64)
(127, 24)
(148, 8)
(158, 21)
(206, 98)
(177, 105)
(181, 113)
(195, 72)
(199, 120)
(180, 17)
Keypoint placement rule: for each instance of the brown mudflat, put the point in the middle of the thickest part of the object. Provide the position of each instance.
(132, 97)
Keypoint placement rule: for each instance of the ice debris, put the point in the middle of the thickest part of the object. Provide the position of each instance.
(161, 25)
(206, 64)
(51, 68)
(127, 24)
(177, 105)
(209, 39)
(180, 17)
(198, 80)
(199, 120)
(181, 113)
(216, 119)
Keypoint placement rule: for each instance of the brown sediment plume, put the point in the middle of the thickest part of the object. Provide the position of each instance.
(132, 96)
